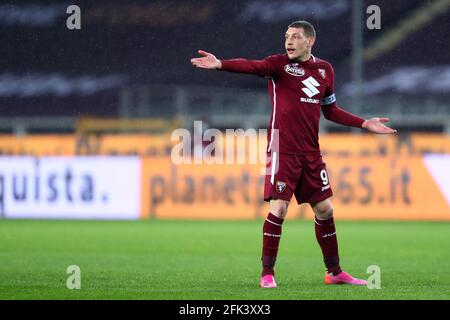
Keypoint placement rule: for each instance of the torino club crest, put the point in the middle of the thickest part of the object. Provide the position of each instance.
(322, 73)
(281, 186)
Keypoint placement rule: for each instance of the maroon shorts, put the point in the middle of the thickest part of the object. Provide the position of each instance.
(305, 176)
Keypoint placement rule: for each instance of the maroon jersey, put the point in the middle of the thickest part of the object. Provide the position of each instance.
(298, 91)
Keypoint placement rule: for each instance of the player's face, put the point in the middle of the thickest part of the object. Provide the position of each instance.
(297, 44)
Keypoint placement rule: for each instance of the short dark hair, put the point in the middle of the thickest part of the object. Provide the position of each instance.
(307, 27)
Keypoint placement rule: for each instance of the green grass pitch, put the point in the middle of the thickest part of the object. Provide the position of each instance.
(190, 260)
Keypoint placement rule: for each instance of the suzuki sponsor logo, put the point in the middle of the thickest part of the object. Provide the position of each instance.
(311, 86)
(309, 100)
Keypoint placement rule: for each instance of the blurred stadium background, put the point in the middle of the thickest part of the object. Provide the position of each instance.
(86, 115)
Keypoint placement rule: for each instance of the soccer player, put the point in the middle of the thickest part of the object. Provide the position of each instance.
(300, 86)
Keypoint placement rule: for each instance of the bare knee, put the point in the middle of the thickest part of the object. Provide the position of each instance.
(325, 214)
(279, 208)
(323, 210)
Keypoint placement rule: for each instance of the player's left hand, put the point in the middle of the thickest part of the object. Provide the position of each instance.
(376, 125)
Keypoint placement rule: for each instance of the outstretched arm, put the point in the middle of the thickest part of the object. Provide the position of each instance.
(261, 68)
(333, 113)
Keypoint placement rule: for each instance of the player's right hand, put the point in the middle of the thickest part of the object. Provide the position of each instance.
(208, 61)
